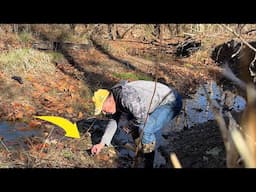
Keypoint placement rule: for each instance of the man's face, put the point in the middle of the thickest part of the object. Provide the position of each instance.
(109, 106)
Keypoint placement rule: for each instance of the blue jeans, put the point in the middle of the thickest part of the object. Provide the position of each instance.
(160, 118)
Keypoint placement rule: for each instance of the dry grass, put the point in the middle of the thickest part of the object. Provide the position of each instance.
(24, 61)
(26, 37)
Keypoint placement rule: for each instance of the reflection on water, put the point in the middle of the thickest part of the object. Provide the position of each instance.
(197, 109)
(14, 131)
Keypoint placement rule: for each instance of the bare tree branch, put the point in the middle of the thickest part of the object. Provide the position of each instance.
(138, 147)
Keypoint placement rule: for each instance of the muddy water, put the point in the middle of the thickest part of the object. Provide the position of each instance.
(13, 132)
(196, 110)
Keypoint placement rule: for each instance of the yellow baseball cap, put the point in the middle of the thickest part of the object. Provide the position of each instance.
(99, 98)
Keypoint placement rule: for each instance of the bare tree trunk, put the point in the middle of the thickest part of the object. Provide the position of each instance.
(15, 28)
(28, 28)
(86, 26)
(112, 31)
(170, 29)
(157, 30)
(177, 29)
(72, 27)
(117, 32)
(174, 29)
(161, 31)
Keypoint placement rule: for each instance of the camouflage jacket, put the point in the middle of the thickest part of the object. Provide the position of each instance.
(134, 98)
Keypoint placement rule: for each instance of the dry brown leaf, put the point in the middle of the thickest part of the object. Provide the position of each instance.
(42, 155)
(70, 110)
(19, 115)
(80, 115)
(28, 108)
(29, 78)
(36, 94)
(38, 87)
(16, 105)
(46, 89)
(49, 98)
(72, 88)
(34, 123)
(38, 147)
(102, 157)
(61, 105)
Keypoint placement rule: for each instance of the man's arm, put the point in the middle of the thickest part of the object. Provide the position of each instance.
(109, 132)
(106, 138)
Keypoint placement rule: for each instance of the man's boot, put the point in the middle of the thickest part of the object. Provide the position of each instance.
(149, 147)
(149, 159)
(149, 153)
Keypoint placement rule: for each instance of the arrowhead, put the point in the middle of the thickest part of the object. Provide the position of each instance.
(73, 132)
(70, 128)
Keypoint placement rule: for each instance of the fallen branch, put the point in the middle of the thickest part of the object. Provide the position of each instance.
(2, 142)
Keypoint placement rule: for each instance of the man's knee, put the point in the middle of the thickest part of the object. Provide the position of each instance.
(121, 138)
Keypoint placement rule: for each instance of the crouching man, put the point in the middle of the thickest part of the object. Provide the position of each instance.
(133, 99)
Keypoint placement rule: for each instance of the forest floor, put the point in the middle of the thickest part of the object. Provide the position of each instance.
(62, 82)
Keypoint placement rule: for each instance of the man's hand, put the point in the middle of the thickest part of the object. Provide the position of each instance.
(97, 148)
